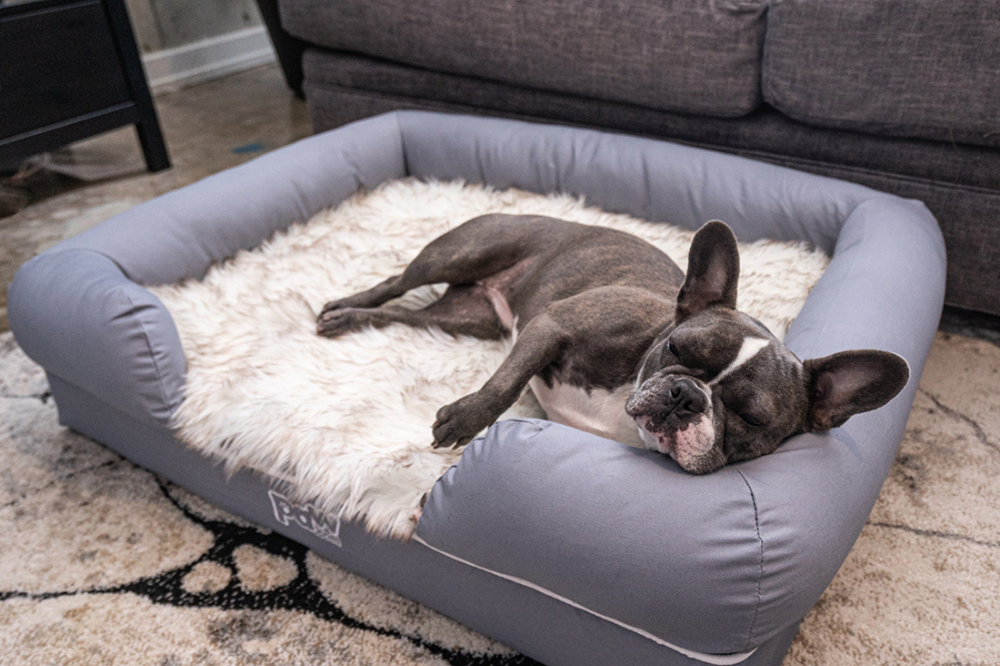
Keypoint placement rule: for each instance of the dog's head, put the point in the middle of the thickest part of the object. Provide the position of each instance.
(717, 387)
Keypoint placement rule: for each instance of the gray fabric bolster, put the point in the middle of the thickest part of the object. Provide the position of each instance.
(883, 290)
(79, 311)
(607, 527)
(180, 234)
(76, 314)
(652, 180)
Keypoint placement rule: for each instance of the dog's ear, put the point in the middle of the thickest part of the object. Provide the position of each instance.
(713, 269)
(848, 383)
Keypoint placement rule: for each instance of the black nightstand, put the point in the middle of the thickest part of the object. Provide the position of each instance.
(70, 69)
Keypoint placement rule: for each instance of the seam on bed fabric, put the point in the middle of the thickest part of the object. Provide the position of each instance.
(143, 419)
(760, 540)
(849, 269)
(833, 257)
(719, 659)
(149, 348)
(402, 144)
(69, 250)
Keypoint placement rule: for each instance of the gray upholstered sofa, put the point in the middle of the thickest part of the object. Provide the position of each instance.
(899, 95)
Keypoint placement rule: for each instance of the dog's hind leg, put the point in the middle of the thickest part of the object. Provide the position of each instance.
(468, 253)
(462, 310)
(377, 295)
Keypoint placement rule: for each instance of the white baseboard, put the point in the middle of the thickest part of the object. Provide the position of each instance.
(172, 69)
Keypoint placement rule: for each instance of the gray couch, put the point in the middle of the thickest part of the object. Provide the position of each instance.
(899, 95)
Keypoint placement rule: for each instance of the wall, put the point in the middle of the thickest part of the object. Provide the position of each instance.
(184, 42)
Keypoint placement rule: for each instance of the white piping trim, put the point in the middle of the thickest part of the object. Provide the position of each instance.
(715, 659)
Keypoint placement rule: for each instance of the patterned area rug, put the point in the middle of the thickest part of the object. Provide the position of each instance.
(101, 562)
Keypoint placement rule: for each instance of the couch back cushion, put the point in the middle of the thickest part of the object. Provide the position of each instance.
(689, 56)
(913, 68)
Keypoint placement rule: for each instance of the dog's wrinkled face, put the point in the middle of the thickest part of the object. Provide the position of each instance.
(718, 387)
(698, 395)
(699, 399)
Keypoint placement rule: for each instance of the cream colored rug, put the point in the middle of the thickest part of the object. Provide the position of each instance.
(101, 563)
(347, 421)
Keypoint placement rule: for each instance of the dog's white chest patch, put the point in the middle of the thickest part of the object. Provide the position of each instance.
(600, 411)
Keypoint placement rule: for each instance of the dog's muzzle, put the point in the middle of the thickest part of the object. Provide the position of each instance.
(661, 398)
(674, 416)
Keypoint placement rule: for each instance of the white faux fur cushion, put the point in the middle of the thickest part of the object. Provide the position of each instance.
(347, 422)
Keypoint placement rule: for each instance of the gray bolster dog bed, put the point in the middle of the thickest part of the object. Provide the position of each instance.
(567, 547)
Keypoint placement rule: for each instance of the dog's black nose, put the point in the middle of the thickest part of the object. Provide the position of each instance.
(685, 399)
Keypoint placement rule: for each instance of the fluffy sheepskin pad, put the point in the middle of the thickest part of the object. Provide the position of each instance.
(346, 422)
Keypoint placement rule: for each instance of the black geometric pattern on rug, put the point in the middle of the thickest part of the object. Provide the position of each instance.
(301, 594)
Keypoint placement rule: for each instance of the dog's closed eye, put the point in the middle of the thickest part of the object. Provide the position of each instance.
(749, 419)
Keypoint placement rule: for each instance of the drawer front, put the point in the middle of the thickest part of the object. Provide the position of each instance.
(57, 63)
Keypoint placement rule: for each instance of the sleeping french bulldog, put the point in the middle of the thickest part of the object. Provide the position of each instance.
(614, 339)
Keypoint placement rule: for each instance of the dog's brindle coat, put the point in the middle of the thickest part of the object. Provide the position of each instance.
(616, 340)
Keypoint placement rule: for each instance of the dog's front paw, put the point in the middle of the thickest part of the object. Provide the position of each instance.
(334, 323)
(458, 422)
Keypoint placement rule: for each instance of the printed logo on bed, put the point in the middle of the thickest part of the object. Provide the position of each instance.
(305, 516)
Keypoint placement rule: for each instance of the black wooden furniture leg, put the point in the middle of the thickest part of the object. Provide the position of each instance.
(288, 48)
(154, 149)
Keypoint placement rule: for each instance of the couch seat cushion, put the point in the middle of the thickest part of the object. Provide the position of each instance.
(693, 57)
(915, 68)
